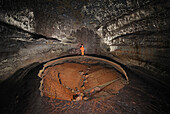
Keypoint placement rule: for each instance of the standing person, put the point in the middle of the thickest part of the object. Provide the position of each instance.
(82, 49)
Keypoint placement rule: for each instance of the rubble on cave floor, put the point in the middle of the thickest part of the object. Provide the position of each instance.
(77, 81)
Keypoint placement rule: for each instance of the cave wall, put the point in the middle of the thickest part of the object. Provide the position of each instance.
(141, 38)
(133, 32)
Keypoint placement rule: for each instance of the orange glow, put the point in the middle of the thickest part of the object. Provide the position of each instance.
(82, 50)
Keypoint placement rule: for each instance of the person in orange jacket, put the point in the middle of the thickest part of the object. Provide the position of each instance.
(82, 49)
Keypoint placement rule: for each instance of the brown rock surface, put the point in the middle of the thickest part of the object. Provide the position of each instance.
(71, 78)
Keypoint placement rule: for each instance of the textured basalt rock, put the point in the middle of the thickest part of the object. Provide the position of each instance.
(140, 37)
(134, 32)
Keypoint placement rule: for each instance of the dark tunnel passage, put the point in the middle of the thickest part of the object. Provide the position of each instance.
(125, 69)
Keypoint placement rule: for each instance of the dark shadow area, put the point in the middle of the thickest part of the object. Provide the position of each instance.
(150, 76)
(17, 90)
(148, 90)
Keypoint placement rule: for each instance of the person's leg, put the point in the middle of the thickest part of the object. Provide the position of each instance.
(82, 53)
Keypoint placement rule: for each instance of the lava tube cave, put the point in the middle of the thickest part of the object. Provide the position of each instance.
(84, 56)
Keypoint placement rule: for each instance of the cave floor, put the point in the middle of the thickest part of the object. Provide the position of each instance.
(140, 96)
(64, 81)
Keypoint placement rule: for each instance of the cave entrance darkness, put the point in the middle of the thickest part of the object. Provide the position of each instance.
(81, 78)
